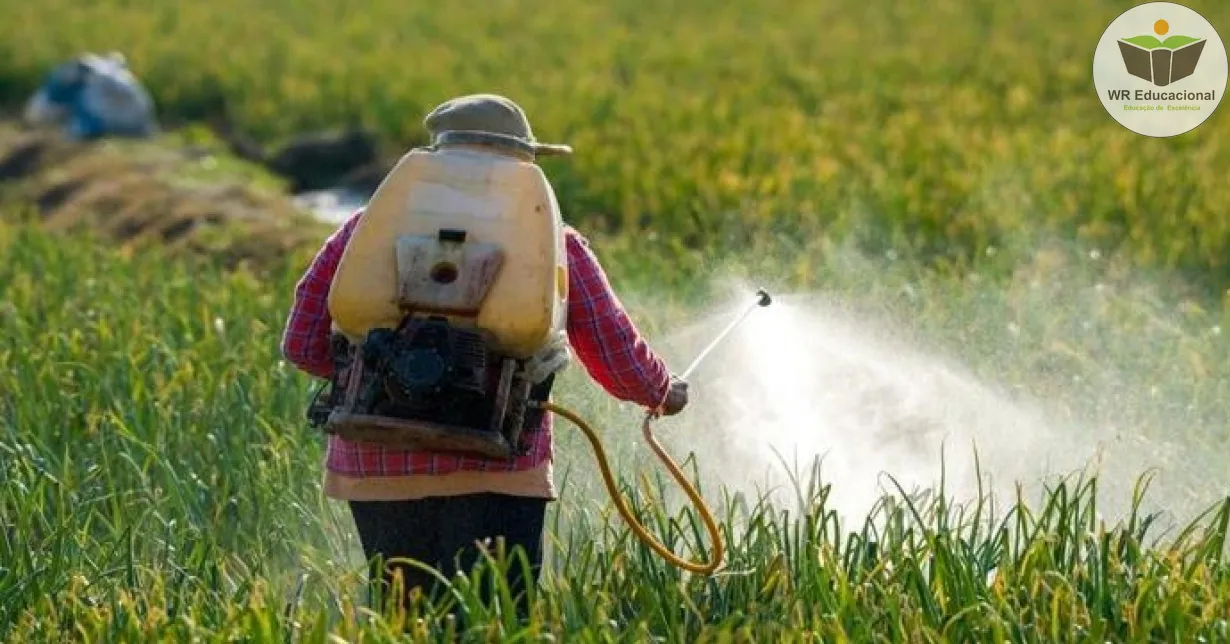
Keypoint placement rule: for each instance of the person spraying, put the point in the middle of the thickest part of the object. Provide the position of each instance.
(437, 437)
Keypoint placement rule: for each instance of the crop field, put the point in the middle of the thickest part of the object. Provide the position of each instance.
(967, 251)
(159, 485)
(932, 130)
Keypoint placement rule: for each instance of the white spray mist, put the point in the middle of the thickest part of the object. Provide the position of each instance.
(800, 381)
(806, 379)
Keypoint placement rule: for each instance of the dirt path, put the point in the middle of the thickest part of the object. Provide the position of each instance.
(183, 190)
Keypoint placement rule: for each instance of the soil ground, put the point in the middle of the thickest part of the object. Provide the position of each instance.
(183, 190)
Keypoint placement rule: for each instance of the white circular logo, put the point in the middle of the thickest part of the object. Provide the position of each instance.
(1160, 69)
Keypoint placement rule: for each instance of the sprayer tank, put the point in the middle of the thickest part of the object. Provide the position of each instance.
(474, 236)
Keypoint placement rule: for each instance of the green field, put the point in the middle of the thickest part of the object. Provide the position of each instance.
(158, 484)
(981, 277)
(934, 130)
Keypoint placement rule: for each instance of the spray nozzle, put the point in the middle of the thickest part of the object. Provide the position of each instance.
(764, 300)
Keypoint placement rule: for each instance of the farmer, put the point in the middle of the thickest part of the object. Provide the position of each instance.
(431, 507)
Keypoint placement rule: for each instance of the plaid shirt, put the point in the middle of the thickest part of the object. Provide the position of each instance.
(601, 335)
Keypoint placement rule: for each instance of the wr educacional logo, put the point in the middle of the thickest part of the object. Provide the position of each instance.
(1161, 62)
(1160, 69)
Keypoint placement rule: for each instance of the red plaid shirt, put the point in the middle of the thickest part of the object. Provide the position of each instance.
(600, 333)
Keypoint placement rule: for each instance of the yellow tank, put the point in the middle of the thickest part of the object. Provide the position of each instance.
(471, 235)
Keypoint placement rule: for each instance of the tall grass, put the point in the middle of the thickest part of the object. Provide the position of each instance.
(934, 131)
(157, 483)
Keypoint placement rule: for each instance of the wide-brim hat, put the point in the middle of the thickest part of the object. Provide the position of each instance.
(487, 119)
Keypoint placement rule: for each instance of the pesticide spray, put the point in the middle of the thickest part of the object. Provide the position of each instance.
(797, 385)
(808, 381)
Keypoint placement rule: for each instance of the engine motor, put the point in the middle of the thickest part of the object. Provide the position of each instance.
(427, 370)
(429, 385)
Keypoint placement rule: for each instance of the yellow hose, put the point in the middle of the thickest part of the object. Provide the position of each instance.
(641, 532)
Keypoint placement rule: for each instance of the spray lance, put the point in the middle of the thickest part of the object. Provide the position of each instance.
(762, 299)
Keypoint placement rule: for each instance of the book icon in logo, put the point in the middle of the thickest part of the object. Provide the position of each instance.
(1161, 62)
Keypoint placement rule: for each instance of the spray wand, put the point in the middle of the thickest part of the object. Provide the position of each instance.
(762, 299)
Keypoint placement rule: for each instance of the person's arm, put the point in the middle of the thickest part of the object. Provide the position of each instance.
(305, 340)
(604, 339)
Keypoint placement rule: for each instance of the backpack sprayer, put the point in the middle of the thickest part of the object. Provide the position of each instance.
(449, 310)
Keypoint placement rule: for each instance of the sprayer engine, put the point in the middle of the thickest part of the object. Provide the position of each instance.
(430, 385)
(427, 370)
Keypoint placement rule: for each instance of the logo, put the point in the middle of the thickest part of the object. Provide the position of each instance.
(1160, 69)
(1161, 62)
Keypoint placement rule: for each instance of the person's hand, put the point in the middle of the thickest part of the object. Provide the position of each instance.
(676, 398)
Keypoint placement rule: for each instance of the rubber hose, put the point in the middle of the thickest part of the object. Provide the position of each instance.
(637, 528)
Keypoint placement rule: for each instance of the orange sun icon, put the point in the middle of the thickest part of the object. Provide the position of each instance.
(1161, 27)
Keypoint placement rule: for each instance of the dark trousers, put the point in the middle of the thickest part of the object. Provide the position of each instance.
(441, 532)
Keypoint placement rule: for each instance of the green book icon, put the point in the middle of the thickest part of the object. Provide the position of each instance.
(1161, 62)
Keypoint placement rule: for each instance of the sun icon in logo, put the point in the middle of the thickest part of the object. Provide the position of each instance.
(1161, 27)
